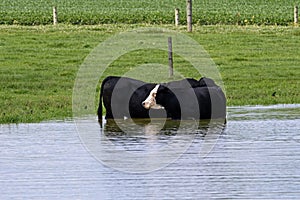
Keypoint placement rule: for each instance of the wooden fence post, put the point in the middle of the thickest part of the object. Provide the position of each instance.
(170, 55)
(189, 15)
(296, 14)
(177, 16)
(54, 15)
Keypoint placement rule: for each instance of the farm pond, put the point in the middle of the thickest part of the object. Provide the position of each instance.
(255, 156)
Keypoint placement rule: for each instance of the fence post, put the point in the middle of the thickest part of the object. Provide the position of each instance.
(54, 15)
(177, 16)
(189, 15)
(170, 55)
(296, 14)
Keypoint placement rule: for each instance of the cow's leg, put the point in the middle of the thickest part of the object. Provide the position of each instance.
(109, 114)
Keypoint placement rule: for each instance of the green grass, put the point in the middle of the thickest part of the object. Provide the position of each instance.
(38, 65)
(92, 12)
(255, 62)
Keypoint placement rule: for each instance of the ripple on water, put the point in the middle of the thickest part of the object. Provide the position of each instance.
(257, 156)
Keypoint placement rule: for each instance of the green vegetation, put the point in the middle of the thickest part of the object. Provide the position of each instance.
(92, 12)
(38, 65)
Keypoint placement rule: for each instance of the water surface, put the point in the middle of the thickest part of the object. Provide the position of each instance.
(256, 156)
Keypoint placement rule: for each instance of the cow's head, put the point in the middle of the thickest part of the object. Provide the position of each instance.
(150, 101)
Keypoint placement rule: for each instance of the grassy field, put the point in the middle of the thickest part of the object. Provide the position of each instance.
(38, 65)
(91, 12)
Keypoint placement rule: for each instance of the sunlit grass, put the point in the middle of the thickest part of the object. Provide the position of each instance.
(38, 65)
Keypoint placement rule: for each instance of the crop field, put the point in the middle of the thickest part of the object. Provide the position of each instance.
(92, 12)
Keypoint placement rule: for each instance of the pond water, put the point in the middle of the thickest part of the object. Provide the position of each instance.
(255, 156)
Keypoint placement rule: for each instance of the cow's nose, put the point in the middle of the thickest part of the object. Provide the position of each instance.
(145, 104)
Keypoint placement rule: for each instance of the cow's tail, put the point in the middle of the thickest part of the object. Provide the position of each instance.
(100, 103)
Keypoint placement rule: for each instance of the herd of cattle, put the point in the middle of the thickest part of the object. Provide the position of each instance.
(184, 99)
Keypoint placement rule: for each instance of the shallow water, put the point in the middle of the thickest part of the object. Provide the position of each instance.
(256, 156)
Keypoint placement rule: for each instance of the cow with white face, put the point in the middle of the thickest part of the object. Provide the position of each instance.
(204, 102)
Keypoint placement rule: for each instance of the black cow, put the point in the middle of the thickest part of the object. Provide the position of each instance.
(116, 92)
(207, 101)
(123, 97)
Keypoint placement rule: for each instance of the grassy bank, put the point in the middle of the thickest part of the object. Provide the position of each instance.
(91, 12)
(38, 65)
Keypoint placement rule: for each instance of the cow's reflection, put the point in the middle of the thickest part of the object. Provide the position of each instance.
(148, 144)
(148, 127)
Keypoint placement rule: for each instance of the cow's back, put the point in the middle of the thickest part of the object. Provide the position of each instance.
(116, 93)
(212, 102)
